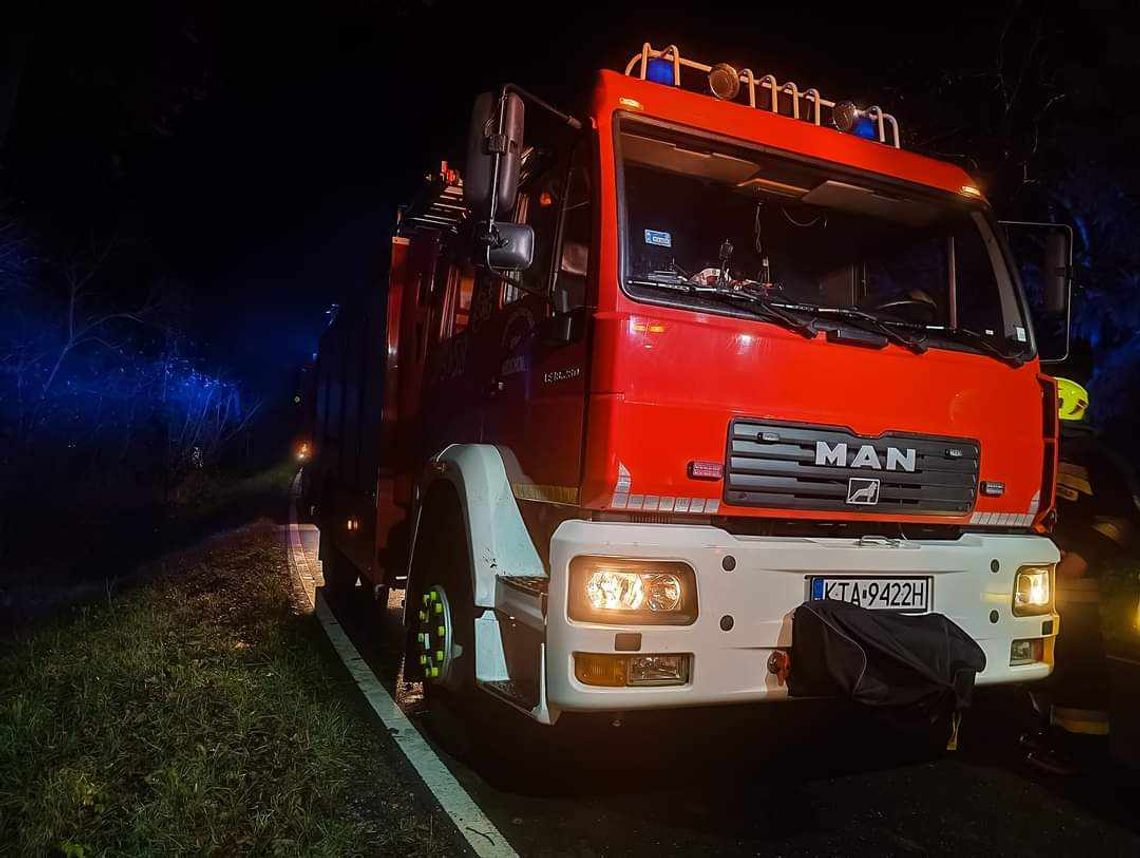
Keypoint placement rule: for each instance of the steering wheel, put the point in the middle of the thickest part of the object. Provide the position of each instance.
(921, 310)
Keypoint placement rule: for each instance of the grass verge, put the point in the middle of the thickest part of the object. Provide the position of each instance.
(200, 714)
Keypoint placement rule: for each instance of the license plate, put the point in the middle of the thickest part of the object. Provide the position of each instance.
(876, 594)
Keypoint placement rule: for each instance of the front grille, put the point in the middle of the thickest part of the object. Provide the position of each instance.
(774, 465)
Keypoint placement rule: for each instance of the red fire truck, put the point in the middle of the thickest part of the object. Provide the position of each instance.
(642, 382)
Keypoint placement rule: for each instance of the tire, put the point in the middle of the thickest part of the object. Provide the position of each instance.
(441, 597)
(441, 566)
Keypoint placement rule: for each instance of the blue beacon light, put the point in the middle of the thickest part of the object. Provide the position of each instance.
(660, 71)
(866, 128)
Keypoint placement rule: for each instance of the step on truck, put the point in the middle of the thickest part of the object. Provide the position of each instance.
(645, 378)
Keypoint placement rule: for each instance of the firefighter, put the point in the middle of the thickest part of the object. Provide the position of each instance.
(1096, 511)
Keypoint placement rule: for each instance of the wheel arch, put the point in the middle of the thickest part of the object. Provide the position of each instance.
(498, 541)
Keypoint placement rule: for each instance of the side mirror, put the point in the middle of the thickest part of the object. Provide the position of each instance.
(1055, 271)
(494, 155)
(511, 246)
(1044, 255)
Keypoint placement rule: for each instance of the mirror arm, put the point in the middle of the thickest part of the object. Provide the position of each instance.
(538, 102)
(496, 274)
(498, 153)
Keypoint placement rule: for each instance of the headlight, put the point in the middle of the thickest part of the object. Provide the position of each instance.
(1033, 591)
(607, 590)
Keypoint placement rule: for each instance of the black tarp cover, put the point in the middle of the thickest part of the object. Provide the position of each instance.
(924, 663)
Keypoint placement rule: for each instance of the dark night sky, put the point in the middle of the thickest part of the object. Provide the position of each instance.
(258, 149)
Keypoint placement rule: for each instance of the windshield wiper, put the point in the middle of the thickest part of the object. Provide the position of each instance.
(761, 307)
(868, 320)
(1014, 359)
(662, 279)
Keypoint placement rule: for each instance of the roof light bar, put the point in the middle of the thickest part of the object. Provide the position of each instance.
(652, 64)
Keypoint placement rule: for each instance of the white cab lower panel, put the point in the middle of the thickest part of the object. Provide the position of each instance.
(769, 577)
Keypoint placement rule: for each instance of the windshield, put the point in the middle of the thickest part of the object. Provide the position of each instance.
(705, 214)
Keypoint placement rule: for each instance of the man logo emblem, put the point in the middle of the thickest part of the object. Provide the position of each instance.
(862, 491)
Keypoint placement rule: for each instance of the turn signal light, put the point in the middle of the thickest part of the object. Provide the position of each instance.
(607, 671)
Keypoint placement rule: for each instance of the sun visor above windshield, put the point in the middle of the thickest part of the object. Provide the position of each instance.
(854, 198)
(665, 155)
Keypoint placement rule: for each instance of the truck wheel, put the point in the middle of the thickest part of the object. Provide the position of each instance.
(441, 640)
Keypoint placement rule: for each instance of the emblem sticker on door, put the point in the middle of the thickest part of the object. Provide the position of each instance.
(862, 491)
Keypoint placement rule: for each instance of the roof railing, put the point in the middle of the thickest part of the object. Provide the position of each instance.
(885, 125)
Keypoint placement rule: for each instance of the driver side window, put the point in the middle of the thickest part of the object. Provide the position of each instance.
(538, 205)
(569, 291)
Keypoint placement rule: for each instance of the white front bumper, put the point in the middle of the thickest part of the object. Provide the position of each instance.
(770, 578)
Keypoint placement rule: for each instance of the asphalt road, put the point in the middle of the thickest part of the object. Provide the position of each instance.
(788, 779)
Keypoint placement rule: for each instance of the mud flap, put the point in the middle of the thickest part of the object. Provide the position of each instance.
(921, 666)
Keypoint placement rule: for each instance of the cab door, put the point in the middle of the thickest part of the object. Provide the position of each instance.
(535, 394)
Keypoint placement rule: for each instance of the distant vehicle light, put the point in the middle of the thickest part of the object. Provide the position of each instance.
(661, 71)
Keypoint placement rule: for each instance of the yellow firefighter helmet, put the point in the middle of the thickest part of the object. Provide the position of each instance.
(1072, 400)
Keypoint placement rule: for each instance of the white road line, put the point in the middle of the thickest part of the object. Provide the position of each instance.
(483, 837)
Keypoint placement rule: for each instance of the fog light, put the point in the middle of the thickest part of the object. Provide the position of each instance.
(608, 671)
(658, 669)
(1028, 651)
(1033, 591)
